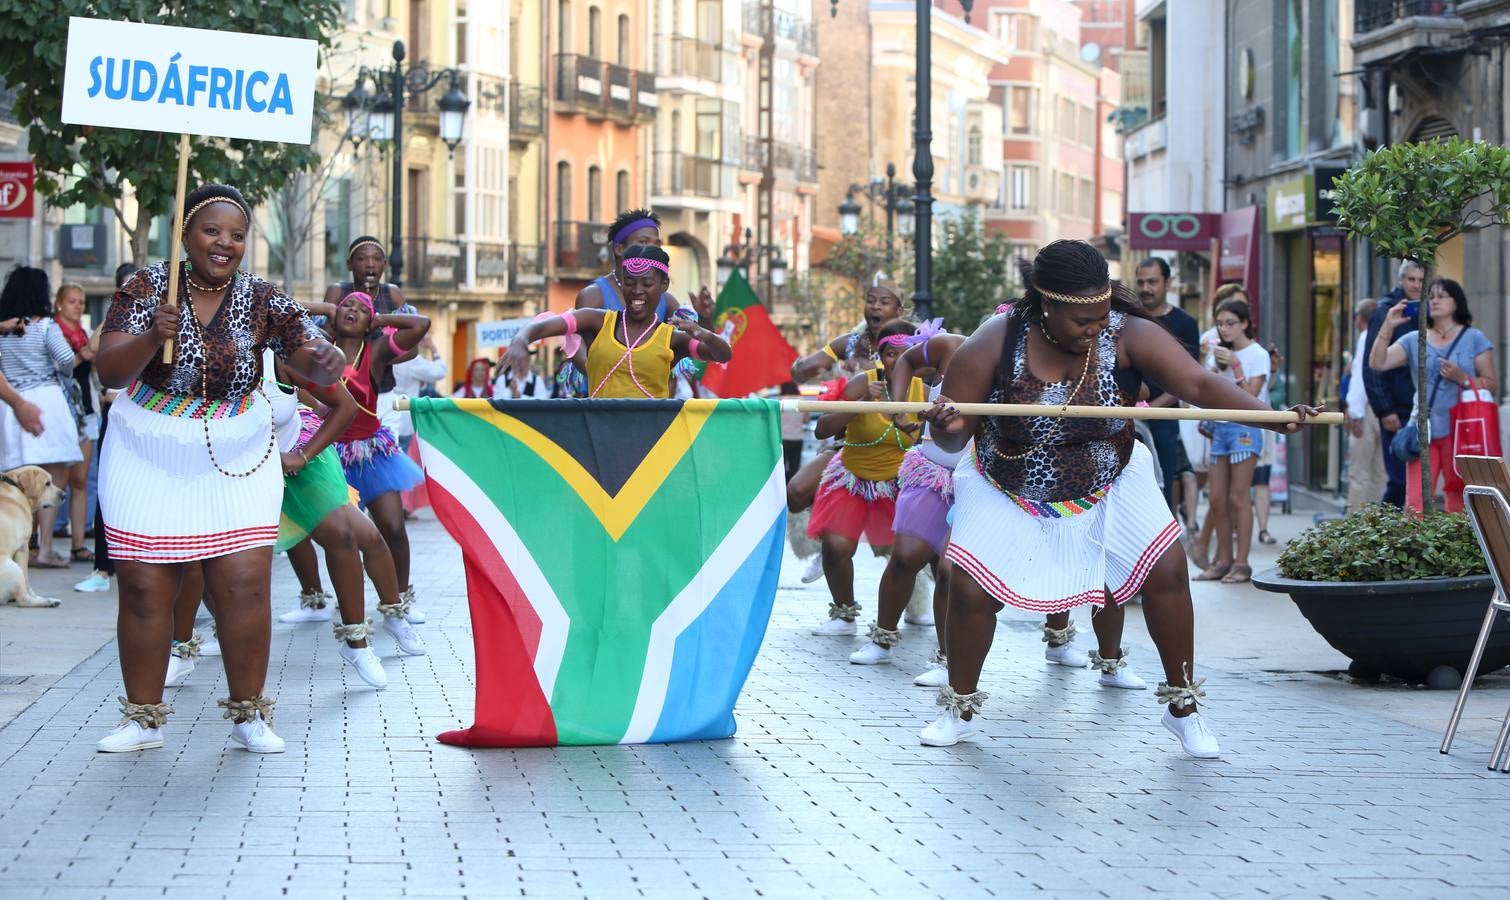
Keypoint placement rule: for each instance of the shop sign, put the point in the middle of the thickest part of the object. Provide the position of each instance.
(1291, 204)
(1173, 230)
(1324, 202)
(17, 180)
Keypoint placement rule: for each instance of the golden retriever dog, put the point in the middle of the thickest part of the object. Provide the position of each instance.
(23, 491)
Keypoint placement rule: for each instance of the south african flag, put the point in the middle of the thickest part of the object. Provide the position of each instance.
(621, 560)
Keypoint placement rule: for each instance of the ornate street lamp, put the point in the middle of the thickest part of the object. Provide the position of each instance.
(849, 214)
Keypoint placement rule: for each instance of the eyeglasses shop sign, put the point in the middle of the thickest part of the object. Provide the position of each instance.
(189, 80)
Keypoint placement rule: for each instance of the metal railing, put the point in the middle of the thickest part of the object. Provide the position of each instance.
(434, 262)
(579, 81)
(797, 29)
(526, 266)
(488, 99)
(620, 88)
(800, 161)
(688, 57)
(492, 264)
(591, 86)
(582, 246)
(526, 108)
(684, 175)
(1369, 15)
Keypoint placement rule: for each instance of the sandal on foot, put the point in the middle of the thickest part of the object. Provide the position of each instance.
(1264, 537)
(1239, 574)
(1198, 557)
(1213, 573)
(81, 554)
(55, 564)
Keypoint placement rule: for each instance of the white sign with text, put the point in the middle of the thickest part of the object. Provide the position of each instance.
(189, 81)
(500, 334)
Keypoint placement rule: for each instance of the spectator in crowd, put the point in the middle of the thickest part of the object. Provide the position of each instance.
(1365, 462)
(1391, 393)
(81, 400)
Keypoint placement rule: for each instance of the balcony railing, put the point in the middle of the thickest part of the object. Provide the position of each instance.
(491, 91)
(526, 266)
(582, 248)
(526, 109)
(802, 162)
(684, 175)
(435, 263)
(596, 88)
(492, 262)
(688, 57)
(1370, 15)
(788, 26)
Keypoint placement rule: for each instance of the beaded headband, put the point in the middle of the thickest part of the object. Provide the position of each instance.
(1076, 298)
(363, 298)
(360, 244)
(219, 198)
(897, 340)
(632, 227)
(639, 265)
(1005, 308)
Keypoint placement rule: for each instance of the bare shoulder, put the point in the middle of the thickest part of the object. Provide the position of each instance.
(590, 298)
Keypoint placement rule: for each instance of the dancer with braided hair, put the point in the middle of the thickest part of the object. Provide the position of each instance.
(1088, 523)
(858, 493)
(629, 354)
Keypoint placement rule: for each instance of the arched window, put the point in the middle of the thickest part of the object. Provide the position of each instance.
(594, 194)
(972, 149)
(563, 191)
(621, 198)
(594, 32)
(624, 48)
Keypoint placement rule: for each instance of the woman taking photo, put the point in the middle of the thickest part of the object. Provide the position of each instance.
(191, 468)
(1086, 518)
(1456, 353)
(37, 361)
(1235, 447)
(70, 310)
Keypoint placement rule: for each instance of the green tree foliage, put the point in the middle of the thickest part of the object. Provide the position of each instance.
(973, 270)
(1410, 199)
(79, 165)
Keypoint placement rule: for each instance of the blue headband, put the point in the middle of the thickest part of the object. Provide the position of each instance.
(632, 227)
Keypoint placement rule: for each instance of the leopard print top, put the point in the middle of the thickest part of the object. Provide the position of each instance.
(254, 315)
(1083, 455)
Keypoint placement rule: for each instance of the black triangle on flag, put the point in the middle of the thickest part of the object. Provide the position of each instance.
(609, 447)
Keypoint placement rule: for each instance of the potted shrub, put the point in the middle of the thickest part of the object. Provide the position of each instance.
(1397, 593)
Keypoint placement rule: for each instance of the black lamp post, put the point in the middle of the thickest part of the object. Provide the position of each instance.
(380, 116)
(922, 155)
(742, 255)
(892, 196)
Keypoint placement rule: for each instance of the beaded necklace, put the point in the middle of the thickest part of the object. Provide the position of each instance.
(1058, 428)
(629, 356)
(204, 391)
(891, 428)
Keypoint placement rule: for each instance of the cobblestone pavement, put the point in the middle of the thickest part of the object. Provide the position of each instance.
(1073, 790)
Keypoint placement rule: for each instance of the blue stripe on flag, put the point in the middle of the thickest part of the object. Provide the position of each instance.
(714, 654)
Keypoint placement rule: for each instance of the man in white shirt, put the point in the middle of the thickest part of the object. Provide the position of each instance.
(534, 386)
(1366, 477)
(411, 379)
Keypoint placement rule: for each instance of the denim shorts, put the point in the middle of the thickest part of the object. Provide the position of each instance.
(1236, 442)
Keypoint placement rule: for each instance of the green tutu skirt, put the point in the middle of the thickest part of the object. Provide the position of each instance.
(318, 490)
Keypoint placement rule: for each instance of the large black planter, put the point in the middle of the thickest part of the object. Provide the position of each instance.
(1400, 628)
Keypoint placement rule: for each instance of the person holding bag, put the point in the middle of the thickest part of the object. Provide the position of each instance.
(1456, 355)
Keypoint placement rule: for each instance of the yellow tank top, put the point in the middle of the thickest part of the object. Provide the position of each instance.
(873, 446)
(608, 372)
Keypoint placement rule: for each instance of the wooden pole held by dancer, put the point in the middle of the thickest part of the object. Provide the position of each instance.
(175, 237)
(1248, 416)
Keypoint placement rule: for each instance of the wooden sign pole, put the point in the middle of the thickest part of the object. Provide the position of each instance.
(175, 238)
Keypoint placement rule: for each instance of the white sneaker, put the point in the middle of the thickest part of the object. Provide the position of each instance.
(130, 736)
(257, 736)
(97, 583)
(936, 675)
(178, 671)
(1066, 655)
(870, 653)
(414, 614)
(314, 606)
(1124, 678)
(814, 569)
(836, 628)
(947, 730)
(210, 646)
(404, 635)
(1195, 736)
(366, 662)
(922, 617)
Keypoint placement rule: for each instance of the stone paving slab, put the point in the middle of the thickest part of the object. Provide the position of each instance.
(1073, 790)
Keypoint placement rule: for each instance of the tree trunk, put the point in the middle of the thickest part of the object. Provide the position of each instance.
(1423, 414)
(140, 236)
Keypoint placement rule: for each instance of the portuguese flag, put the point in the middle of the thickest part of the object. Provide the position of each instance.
(621, 560)
(762, 357)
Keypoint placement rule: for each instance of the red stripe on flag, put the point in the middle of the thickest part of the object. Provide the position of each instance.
(511, 709)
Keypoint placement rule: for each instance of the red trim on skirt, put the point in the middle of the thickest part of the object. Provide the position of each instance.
(837, 511)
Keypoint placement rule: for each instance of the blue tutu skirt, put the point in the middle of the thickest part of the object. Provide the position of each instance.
(377, 466)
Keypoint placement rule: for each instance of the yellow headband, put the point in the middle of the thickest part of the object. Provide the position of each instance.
(1076, 298)
(203, 203)
(360, 244)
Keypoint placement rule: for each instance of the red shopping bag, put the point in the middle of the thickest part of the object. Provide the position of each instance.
(1475, 424)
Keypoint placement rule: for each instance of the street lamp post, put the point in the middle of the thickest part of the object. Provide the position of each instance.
(383, 112)
(742, 255)
(892, 196)
(922, 156)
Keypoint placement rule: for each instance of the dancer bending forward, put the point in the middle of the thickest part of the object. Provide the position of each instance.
(1054, 512)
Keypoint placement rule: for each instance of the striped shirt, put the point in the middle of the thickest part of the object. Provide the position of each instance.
(40, 356)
